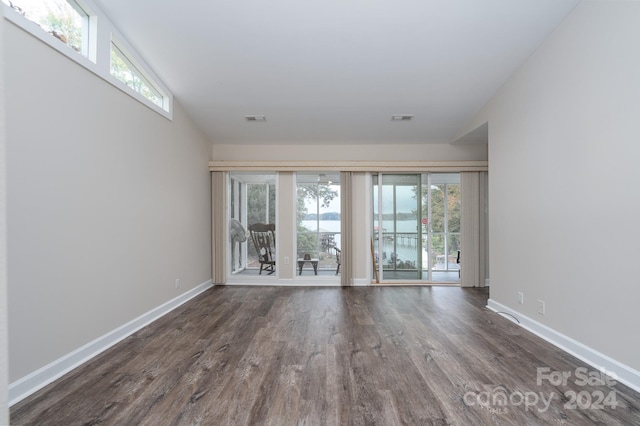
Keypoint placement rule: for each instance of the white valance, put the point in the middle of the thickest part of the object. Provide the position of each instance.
(350, 166)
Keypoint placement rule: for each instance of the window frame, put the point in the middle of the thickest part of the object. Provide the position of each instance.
(240, 209)
(319, 178)
(131, 59)
(424, 183)
(97, 42)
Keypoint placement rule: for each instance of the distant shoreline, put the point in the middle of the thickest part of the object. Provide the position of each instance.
(323, 216)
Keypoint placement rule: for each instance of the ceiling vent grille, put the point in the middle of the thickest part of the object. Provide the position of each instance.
(255, 118)
(401, 117)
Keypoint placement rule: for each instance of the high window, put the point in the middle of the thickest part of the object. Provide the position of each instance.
(123, 68)
(64, 20)
(71, 27)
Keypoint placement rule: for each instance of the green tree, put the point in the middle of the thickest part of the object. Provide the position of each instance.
(64, 23)
(308, 241)
(438, 192)
(322, 193)
(60, 19)
(257, 210)
(125, 71)
(257, 203)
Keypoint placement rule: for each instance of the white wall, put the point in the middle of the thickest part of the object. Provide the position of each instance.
(4, 362)
(412, 152)
(563, 163)
(108, 203)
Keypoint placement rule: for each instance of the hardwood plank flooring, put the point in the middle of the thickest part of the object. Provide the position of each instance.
(330, 356)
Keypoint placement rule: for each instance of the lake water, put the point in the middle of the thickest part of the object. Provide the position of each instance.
(405, 249)
(332, 226)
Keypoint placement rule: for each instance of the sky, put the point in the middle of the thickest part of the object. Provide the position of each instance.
(334, 205)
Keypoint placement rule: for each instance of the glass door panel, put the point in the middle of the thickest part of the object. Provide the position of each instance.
(416, 237)
(444, 230)
(398, 247)
(318, 235)
(252, 200)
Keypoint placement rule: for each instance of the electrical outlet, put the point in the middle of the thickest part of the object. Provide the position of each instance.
(521, 298)
(541, 307)
(177, 282)
(286, 260)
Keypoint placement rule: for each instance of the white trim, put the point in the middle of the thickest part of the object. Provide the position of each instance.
(4, 318)
(400, 283)
(623, 373)
(309, 279)
(39, 33)
(352, 166)
(282, 282)
(145, 70)
(297, 282)
(31, 383)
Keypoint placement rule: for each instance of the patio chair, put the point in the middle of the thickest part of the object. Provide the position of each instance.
(264, 239)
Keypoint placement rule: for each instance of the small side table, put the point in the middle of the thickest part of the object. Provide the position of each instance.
(314, 263)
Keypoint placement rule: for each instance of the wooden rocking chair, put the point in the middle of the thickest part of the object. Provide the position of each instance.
(264, 239)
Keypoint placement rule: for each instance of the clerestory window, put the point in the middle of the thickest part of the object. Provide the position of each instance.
(63, 19)
(123, 68)
(71, 27)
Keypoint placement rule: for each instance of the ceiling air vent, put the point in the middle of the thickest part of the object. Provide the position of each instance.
(255, 118)
(401, 117)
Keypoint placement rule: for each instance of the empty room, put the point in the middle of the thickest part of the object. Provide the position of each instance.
(329, 212)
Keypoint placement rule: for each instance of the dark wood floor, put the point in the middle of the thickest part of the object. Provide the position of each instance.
(355, 356)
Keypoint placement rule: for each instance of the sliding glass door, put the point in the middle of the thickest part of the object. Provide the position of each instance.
(252, 200)
(443, 207)
(396, 223)
(318, 237)
(416, 226)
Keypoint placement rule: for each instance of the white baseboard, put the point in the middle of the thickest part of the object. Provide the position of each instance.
(297, 281)
(29, 384)
(283, 283)
(623, 373)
